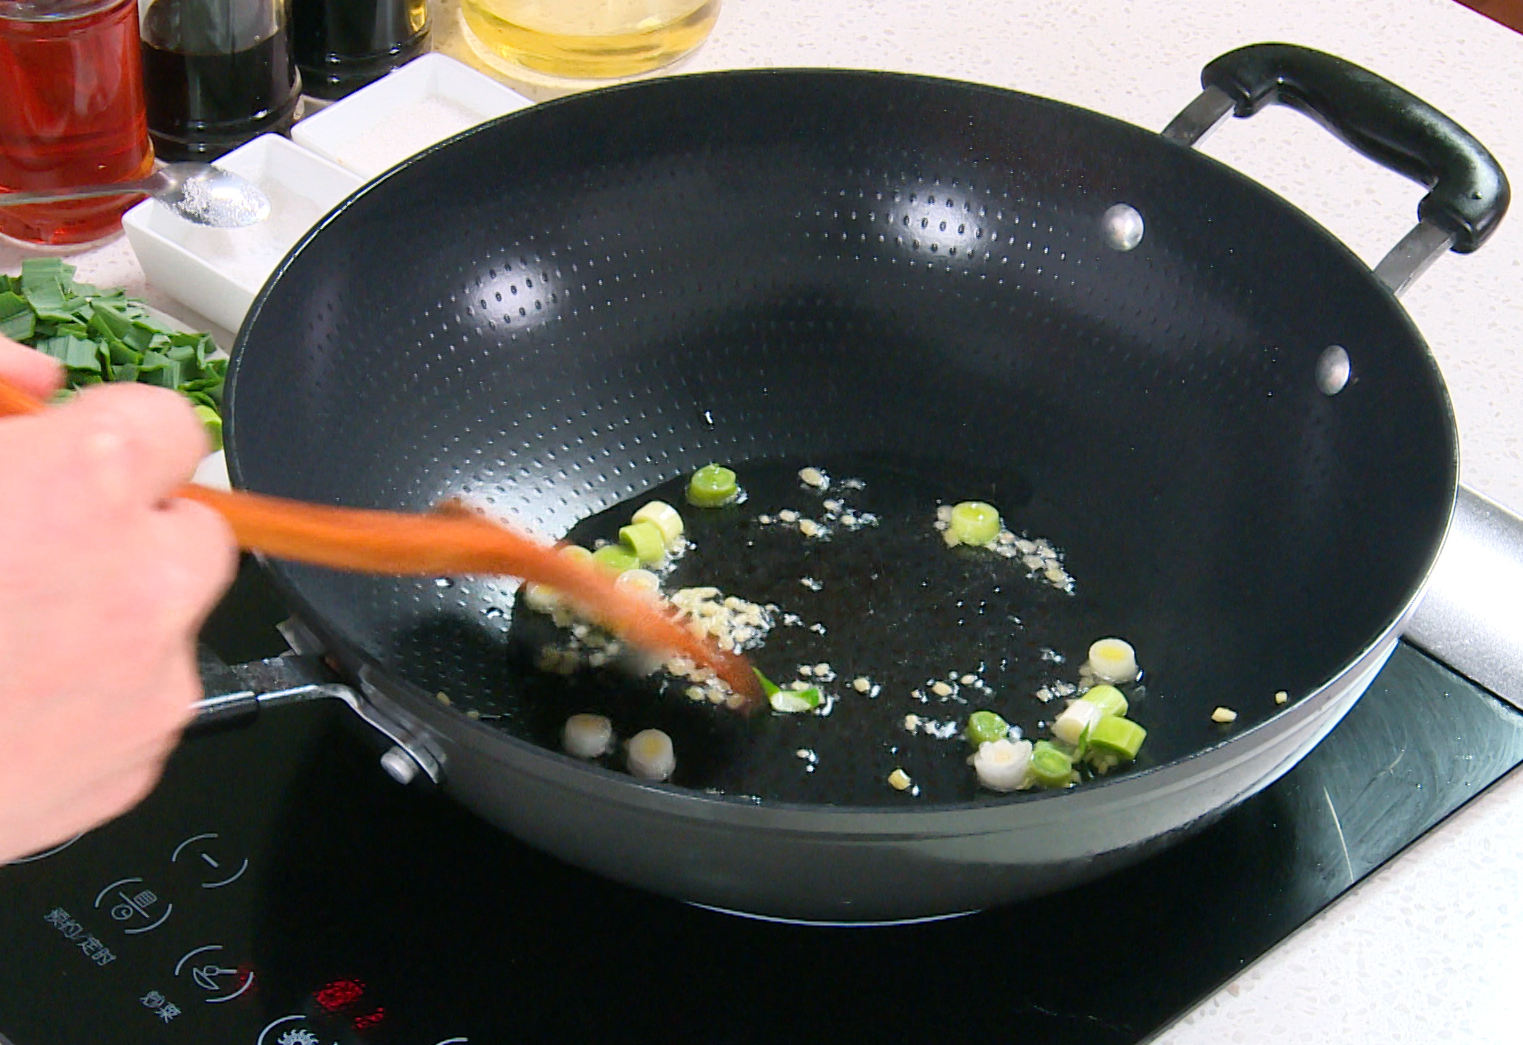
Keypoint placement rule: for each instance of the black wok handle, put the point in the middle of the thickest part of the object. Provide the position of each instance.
(1468, 189)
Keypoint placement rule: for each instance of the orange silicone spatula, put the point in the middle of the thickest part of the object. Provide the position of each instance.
(450, 541)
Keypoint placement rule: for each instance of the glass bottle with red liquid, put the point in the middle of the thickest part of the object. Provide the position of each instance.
(71, 113)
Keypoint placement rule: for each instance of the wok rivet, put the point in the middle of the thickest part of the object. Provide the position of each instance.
(1122, 227)
(399, 765)
(1333, 370)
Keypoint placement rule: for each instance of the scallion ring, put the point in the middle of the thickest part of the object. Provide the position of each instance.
(712, 486)
(974, 522)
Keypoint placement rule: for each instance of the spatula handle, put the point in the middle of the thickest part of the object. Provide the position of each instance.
(450, 541)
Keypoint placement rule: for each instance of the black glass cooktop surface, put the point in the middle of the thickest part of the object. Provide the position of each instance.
(280, 889)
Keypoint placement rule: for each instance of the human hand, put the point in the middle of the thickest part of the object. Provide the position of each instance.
(104, 584)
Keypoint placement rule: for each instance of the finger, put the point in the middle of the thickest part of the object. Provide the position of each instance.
(29, 370)
(70, 806)
(111, 796)
(199, 558)
(137, 442)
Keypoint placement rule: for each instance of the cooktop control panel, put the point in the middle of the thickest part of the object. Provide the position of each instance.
(151, 926)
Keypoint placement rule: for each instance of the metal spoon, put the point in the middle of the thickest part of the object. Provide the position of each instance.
(197, 192)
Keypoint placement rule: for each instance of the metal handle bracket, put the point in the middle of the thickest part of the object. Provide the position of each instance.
(1468, 191)
(294, 678)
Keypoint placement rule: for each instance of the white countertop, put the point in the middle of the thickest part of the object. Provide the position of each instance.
(1430, 948)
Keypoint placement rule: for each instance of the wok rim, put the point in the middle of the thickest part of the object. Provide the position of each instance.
(625, 788)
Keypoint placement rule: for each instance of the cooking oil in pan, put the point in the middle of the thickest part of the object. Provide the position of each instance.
(904, 636)
(571, 40)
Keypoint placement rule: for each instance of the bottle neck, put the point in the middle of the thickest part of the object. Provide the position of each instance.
(54, 10)
(212, 26)
(341, 45)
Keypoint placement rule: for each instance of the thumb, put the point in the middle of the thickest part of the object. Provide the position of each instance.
(29, 370)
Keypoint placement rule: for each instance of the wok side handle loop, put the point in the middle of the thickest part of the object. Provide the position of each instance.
(1468, 191)
(236, 695)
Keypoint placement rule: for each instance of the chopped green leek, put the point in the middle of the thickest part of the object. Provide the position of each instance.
(664, 516)
(974, 522)
(576, 552)
(793, 701)
(1108, 699)
(615, 557)
(1050, 767)
(213, 422)
(1117, 736)
(985, 727)
(711, 486)
(645, 540)
(104, 335)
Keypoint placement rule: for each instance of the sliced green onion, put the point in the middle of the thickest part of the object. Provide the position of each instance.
(664, 517)
(1049, 766)
(1117, 736)
(213, 422)
(587, 736)
(1069, 727)
(1081, 752)
(575, 552)
(104, 335)
(985, 727)
(711, 486)
(1109, 699)
(544, 599)
(793, 701)
(1003, 765)
(541, 598)
(974, 522)
(768, 686)
(642, 581)
(650, 755)
(1113, 660)
(615, 557)
(645, 540)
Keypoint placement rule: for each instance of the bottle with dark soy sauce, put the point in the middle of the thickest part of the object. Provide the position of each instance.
(217, 73)
(342, 45)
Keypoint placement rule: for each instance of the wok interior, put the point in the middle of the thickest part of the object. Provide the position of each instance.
(562, 310)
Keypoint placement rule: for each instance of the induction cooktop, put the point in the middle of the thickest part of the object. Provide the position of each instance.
(279, 888)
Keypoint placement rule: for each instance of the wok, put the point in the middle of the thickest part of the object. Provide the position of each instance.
(1229, 427)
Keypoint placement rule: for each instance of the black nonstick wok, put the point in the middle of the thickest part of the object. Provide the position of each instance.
(1217, 414)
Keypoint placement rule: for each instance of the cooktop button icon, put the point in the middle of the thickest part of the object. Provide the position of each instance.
(205, 968)
(139, 910)
(208, 857)
(292, 1030)
(209, 977)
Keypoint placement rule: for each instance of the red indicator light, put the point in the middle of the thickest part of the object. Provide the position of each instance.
(367, 1021)
(339, 994)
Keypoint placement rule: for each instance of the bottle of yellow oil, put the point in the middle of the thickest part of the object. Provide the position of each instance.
(566, 41)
